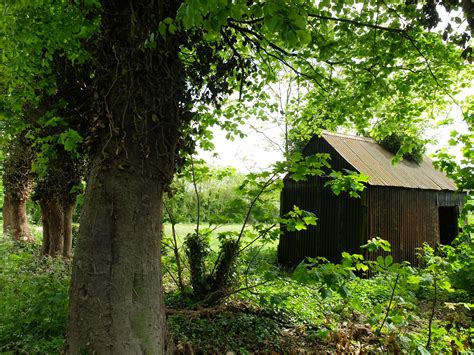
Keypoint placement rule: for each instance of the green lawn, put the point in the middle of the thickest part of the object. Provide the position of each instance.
(186, 228)
(182, 230)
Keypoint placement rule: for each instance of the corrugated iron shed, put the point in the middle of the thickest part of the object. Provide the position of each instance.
(407, 204)
(369, 158)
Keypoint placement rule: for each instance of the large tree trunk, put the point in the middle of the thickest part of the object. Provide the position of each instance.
(116, 301)
(116, 295)
(57, 227)
(53, 227)
(17, 183)
(15, 219)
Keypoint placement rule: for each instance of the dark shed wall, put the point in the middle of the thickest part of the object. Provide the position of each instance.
(339, 228)
(406, 217)
(450, 198)
(340, 218)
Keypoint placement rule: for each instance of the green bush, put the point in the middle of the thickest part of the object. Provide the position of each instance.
(33, 301)
(34, 212)
(222, 198)
(461, 260)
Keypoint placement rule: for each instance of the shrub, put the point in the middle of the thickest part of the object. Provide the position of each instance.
(408, 147)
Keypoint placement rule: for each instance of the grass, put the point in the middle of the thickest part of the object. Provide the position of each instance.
(183, 229)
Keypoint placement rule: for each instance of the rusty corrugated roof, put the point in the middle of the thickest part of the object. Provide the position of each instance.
(369, 158)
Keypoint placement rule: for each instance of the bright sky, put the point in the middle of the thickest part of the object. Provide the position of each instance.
(255, 152)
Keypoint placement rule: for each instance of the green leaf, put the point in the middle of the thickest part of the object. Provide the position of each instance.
(310, 220)
(162, 29)
(381, 261)
(414, 279)
(362, 267)
(299, 226)
(343, 292)
(70, 139)
(325, 292)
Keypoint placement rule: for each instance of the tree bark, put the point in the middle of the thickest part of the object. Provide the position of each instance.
(116, 300)
(57, 227)
(46, 239)
(53, 227)
(17, 183)
(15, 219)
(116, 303)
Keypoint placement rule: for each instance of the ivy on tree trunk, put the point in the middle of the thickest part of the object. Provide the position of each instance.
(17, 182)
(116, 298)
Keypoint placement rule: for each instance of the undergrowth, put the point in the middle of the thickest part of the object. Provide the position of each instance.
(33, 300)
(275, 309)
(226, 331)
(332, 308)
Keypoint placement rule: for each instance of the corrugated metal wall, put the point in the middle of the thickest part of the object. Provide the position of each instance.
(339, 227)
(340, 219)
(449, 198)
(404, 217)
(407, 217)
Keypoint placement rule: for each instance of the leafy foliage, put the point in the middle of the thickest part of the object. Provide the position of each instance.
(298, 219)
(34, 301)
(351, 182)
(404, 146)
(246, 333)
(212, 276)
(220, 199)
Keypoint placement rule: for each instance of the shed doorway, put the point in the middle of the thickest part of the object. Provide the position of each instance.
(448, 224)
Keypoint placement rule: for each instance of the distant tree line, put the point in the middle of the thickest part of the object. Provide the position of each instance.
(218, 193)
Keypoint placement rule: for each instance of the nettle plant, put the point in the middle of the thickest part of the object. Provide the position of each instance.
(436, 282)
(333, 278)
(400, 290)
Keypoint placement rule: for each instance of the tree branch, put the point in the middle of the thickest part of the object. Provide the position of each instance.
(379, 330)
(246, 32)
(254, 201)
(265, 232)
(358, 24)
(175, 247)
